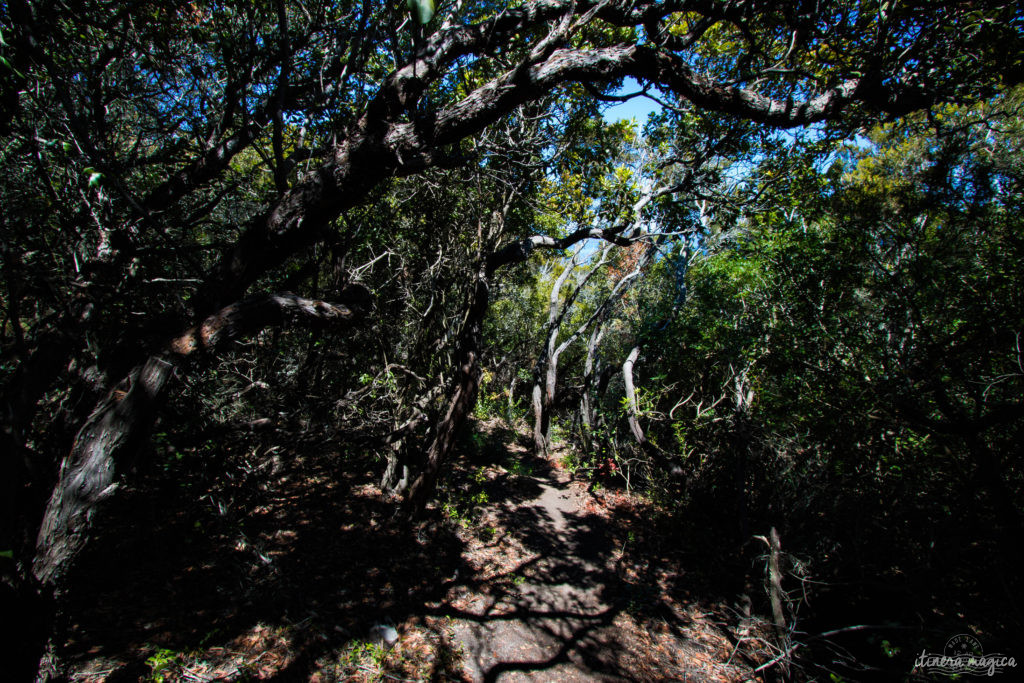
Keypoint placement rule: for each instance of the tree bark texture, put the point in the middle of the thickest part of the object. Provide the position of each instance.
(776, 595)
(112, 437)
(395, 479)
(590, 367)
(120, 423)
(540, 426)
(87, 477)
(631, 403)
(462, 401)
(545, 371)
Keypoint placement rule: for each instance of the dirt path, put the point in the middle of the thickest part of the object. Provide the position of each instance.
(551, 601)
(287, 575)
(551, 623)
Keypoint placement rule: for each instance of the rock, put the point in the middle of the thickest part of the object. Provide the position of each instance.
(383, 635)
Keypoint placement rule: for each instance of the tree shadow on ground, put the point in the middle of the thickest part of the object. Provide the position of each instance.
(290, 543)
(551, 614)
(563, 606)
(281, 548)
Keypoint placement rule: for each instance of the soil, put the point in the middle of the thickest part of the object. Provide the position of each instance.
(551, 598)
(285, 560)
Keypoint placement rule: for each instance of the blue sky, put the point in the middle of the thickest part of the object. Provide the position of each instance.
(637, 108)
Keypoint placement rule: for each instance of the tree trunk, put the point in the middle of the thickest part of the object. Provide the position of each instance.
(106, 443)
(468, 377)
(543, 384)
(776, 595)
(540, 416)
(599, 317)
(512, 398)
(550, 380)
(397, 473)
(633, 409)
(652, 451)
(395, 479)
(112, 436)
(24, 478)
(462, 402)
(545, 400)
(589, 368)
(87, 476)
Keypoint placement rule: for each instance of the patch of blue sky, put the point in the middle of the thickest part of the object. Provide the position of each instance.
(637, 108)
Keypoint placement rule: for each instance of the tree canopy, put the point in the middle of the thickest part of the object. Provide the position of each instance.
(793, 296)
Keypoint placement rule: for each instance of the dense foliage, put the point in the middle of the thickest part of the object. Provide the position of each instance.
(792, 301)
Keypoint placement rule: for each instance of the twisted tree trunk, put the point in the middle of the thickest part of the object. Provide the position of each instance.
(631, 402)
(545, 371)
(462, 401)
(111, 439)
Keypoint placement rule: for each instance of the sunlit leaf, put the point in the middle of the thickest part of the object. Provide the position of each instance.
(6, 63)
(421, 10)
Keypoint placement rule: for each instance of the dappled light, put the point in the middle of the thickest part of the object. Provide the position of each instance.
(396, 341)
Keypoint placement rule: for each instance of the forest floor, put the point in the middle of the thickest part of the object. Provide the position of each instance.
(556, 596)
(287, 565)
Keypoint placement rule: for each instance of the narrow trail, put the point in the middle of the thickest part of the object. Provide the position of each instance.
(551, 601)
(288, 574)
(553, 622)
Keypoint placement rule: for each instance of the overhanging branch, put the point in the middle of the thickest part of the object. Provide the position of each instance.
(250, 315)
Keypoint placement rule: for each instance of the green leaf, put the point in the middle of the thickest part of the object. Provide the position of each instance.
(9, 554)
(421, 10)
(68, 147)
(3, 60)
